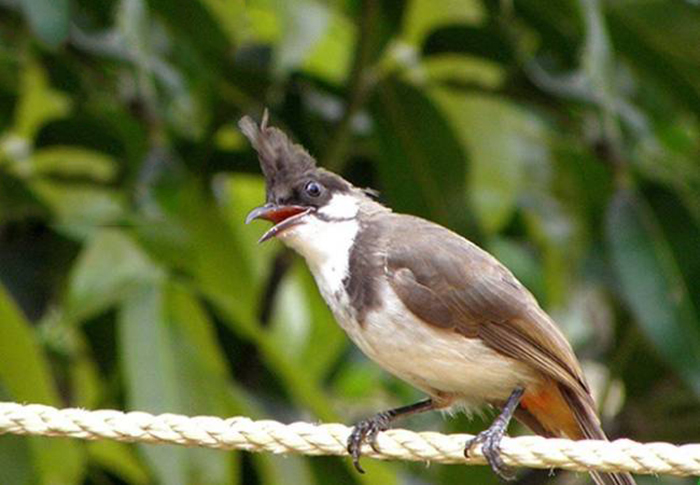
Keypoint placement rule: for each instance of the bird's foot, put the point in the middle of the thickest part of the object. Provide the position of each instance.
(366, 431)
(490, 441)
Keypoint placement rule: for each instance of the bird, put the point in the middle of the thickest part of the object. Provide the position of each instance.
(426, 304)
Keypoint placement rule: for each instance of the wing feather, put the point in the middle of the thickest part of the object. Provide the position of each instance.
(451, 283)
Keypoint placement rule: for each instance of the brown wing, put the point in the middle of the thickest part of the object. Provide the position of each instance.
(451, 283)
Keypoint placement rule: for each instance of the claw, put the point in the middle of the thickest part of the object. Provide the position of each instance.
(490, 441)
(366, 432)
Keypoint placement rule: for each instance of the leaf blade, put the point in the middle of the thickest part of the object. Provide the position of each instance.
(50, 19)
(652, 286)
(25, 375)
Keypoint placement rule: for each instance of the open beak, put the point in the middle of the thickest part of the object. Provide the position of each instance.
(284, 217)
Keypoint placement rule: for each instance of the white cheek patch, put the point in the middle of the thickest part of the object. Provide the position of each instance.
(326, 246)
(341, 206)
(325, 239)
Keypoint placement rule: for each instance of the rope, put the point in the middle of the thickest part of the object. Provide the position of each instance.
(241, 433)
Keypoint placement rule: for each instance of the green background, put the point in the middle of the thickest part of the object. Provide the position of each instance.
(560, 135)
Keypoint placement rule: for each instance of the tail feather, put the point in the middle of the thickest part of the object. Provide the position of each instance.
(586, 417)
(557, 411)
(612, 478)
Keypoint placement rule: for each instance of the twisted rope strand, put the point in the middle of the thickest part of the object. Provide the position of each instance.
(241, 433)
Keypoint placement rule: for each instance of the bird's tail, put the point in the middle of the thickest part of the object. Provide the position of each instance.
(556, 411)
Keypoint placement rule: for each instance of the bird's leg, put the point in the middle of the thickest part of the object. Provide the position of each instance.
(368, 429)
(490, 439)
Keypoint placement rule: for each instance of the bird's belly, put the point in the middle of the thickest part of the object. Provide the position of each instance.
(437, 361)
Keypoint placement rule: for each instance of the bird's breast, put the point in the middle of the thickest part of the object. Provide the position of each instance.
(437, 361)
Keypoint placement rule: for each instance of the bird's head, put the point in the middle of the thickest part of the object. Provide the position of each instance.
(303, 201)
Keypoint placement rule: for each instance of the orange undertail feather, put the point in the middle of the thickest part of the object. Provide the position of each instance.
(550, 411)
(554, 411)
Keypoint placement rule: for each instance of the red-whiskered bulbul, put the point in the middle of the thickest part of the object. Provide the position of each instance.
(426, 304)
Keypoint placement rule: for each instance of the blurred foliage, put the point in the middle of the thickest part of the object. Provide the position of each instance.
(562, 136)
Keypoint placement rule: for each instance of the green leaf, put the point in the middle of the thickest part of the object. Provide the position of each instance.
(459, 69)
(109, 267)
(79, 210)
(291, 320)
(424, 16)
(203, 377)
(319, 359)
(195, 329)
(331, 57)
(38, 102)
(67, 161)
(173, 363)
(505, 142)
(118, 459)
(660, 39)
(50, 19)
(15, 455)
(85, 376)
(358, 381)
(423, 169)
(161, 84)
(600, 70)
(294, 470)
(16, 460)
(20, 350)
(211, 251)
(652, 286)
(208, 389)
(300, 320)
(230, 15)
(303, 23)
(25, 375)
(152, 383)
(597, 59)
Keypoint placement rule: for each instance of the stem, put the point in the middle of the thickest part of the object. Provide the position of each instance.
(358, 88)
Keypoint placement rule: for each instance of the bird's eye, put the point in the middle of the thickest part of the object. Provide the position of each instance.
(313, 189)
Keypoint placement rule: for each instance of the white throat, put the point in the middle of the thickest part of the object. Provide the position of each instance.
(325, 241)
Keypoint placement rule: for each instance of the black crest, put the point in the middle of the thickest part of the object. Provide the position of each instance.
(287, 166)
(280, 159)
